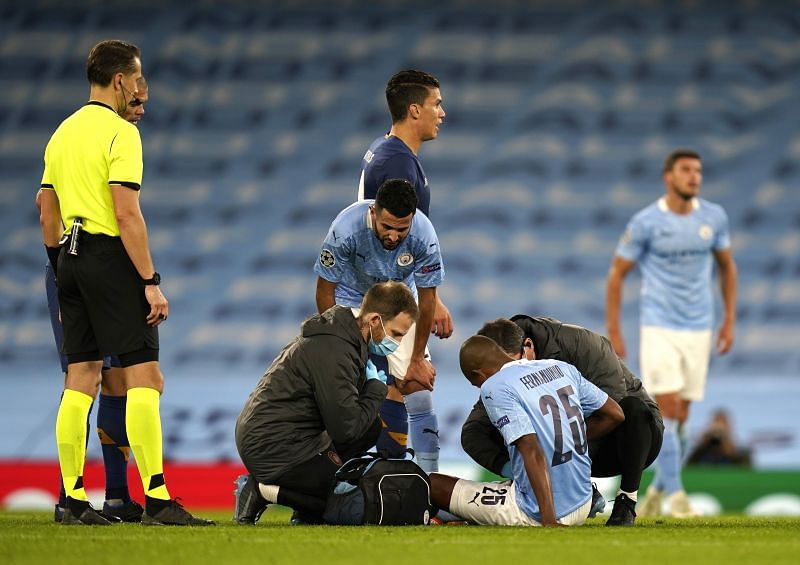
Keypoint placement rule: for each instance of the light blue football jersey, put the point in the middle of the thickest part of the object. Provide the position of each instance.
(353, 257)
(674, 253)
(551, 399)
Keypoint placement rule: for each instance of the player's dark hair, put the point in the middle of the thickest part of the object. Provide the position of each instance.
(479, 352)
(110, 57)
(390, 299)
(405, 88)
(396, 196)
(505, 333)
(682, 153)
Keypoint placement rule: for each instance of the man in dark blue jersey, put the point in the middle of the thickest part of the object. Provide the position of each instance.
(415, 104)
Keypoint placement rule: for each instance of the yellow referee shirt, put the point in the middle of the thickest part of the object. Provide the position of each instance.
(90, 150)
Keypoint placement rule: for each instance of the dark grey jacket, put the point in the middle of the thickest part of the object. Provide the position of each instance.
(314, 393)
(593, 356)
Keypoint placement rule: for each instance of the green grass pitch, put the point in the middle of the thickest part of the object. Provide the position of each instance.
(33, 538)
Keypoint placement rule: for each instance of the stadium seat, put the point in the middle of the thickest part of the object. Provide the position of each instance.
(558, 119)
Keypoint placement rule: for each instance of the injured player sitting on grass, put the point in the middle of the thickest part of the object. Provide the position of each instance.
(547, 412)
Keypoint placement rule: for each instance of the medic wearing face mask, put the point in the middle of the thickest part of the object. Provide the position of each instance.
(384, 348)
(318, 403)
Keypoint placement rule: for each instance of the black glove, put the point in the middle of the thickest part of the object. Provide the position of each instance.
(52, 254)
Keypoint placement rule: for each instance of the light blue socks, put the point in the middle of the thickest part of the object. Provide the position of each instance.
(669, 461)
(423, 428)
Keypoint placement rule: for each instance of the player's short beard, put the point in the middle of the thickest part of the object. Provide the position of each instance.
(682, 195)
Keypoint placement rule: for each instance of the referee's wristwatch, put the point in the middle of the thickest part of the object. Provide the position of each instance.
(154, 280)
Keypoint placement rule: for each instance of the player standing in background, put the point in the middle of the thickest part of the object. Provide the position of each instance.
(547, 413)
(111, 410)
(673, 240)
(108, 289)
(135, 109)
(415, 105)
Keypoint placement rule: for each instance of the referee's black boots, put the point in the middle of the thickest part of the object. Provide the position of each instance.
(81, 513)
(169, 513)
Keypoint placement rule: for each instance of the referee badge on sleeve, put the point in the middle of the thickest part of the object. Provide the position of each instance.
(327, 259)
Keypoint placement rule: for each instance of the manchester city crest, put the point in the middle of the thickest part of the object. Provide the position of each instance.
(327, 259)
(405, 259)
(705, 231)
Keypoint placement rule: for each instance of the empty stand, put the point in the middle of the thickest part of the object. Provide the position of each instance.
(558, 118)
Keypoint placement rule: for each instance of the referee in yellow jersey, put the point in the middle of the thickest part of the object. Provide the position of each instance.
(108, 288)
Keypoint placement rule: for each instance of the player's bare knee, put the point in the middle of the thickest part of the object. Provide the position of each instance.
(146, 375)
(670, 405)
(84, 376)
(113, 382)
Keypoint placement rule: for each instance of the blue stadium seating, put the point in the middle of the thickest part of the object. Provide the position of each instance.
(559, 115)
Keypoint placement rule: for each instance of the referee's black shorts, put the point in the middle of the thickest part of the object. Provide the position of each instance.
(103, 307)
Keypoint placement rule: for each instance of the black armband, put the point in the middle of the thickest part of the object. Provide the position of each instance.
(52, 254)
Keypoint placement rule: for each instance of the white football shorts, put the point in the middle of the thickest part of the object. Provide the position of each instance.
(495, 504)
(675, 361)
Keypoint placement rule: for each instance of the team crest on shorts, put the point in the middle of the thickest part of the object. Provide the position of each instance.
(327, 259)
(705, 231)
(405, 259)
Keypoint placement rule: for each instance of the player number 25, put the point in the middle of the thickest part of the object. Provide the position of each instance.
(548, 405)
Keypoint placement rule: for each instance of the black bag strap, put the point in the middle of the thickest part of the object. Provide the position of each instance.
(353, 468)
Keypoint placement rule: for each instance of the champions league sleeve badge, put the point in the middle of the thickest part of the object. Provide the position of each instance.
(327, 259)
(405, 259)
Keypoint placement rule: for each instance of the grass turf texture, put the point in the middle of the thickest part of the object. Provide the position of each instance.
(34, 538)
